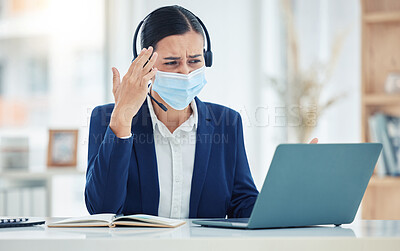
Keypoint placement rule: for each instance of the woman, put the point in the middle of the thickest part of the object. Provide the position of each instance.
(161, 150)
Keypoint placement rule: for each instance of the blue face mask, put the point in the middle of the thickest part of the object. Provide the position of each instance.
(178, 90)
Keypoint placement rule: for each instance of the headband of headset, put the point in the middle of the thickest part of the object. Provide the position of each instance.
(208, 56)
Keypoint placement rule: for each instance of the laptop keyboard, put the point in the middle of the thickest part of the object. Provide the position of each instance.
(20, 222)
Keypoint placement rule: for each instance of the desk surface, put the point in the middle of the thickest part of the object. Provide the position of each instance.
(360, 235)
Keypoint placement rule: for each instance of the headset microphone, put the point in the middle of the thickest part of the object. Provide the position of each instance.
(161, 105)
(208, 56)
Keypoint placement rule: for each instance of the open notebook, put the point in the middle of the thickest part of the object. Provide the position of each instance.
(113, 220)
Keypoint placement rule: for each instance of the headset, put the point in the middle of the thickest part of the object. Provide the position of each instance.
(208, 55)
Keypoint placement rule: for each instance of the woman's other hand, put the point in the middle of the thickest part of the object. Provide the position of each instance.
(314, 141)
(130, 94)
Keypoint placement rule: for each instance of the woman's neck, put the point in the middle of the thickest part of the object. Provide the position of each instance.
(171, 118)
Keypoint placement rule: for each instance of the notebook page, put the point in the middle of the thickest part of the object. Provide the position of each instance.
(90, 218)
(151, 219)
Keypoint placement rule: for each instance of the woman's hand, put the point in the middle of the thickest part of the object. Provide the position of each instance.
(130, 94)
(314, 141)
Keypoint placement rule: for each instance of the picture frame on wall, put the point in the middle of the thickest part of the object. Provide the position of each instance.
(62, 148)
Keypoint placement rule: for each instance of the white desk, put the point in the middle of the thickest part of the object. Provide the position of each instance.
(361, 235)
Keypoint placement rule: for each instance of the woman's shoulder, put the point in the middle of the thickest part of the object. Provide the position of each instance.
(219, 108)
(103, 109)
(218, 112)
(102, 112)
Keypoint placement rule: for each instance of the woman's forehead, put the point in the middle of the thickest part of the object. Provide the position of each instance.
(188, 44)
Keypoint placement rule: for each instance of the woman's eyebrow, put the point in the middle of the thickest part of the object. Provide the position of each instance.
(195, 56)
(172, 58)
(176, 58)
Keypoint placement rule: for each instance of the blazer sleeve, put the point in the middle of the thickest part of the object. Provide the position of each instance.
(244, 192)
(108, 165)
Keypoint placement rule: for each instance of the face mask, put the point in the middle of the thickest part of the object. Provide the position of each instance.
(178, 90)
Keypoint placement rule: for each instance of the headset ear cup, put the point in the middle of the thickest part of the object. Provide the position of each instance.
(208, 58)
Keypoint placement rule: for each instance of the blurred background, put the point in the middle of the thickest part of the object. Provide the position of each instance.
(293, 69)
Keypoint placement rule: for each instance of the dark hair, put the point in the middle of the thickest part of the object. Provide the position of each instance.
(167, 21)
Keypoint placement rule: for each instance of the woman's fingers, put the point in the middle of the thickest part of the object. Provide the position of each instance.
(150, 64)
(116, 78)
(141, 62)
(129, 73)
(146, 78)
(314, 141)
(132, 91)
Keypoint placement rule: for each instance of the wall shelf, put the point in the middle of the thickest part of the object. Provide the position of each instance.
(382, 17)
(380, 53)
(381, 99)
(381, 199)
(20, 181)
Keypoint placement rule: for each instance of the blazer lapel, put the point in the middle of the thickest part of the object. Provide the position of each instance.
(204, 134)
(142, 130)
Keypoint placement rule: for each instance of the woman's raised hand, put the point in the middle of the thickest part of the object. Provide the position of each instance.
(130, 94)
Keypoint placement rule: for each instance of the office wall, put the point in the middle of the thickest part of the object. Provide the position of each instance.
(319, 24)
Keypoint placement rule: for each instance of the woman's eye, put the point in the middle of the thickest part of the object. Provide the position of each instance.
(175, 62)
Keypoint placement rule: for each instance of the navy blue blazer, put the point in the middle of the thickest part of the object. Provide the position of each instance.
(122, 174)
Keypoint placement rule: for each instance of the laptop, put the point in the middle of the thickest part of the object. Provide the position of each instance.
(310, 184)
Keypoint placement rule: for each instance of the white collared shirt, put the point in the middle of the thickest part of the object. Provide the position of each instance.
(175, 160)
